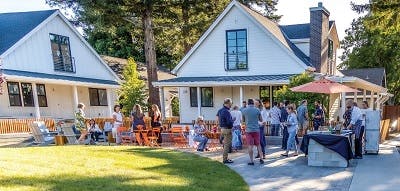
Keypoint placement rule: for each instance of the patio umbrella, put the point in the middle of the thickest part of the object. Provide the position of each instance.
(323, 86)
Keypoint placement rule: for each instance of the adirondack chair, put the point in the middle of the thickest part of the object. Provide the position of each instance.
(41, 138)
(70, 134)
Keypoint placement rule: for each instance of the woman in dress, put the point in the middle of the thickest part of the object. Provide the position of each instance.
(292, 126)
(118, 121)
(200, 134)
(80, 122)
(236, 130)
(156, 116)
(137, 117)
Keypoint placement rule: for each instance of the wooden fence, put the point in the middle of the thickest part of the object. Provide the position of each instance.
(22, 125)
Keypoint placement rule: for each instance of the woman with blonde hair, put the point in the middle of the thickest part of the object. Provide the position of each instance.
(200, 134)
(156, 116)
(80, 122)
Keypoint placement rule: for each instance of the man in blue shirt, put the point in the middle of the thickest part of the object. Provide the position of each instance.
(284, 116)
(226, 124)
(253, 120)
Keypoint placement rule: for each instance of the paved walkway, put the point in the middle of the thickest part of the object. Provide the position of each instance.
(373, 173)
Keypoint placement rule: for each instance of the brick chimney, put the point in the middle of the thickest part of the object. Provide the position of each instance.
(319, 27)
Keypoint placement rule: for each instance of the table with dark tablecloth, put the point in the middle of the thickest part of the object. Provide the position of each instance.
(337, 143)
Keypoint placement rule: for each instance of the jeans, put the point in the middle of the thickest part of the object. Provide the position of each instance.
(285, 138)
(227, 133)
(202, 142)
(291, 142)
(358, 143)
(275, 129)
(263, 142)
(95, 135)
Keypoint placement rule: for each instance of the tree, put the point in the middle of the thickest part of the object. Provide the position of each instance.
(373, 41)
(296, 97)
(132, 89)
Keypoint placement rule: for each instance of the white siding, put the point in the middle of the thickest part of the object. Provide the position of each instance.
(265, 56)
(220, 93)
(60, 104)
(35, 54)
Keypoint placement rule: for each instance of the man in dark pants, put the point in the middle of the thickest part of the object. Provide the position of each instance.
(356, 125)
(284, 115)
(318, 116)
(226, 124)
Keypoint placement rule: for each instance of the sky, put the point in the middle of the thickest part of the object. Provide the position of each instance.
(293, 11)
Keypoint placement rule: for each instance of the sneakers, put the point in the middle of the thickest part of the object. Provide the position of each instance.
(200, 150)
(228, 161)
(258, 156)
(250, 163)
(261, 161)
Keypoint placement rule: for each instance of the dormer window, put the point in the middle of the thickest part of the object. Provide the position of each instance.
(236, 50)
(61, 52)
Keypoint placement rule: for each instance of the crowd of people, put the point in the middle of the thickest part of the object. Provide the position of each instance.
(90, 132)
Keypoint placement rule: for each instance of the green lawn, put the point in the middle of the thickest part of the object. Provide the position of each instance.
(111, 168)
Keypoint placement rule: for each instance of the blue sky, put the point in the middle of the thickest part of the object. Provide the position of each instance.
(293, 11)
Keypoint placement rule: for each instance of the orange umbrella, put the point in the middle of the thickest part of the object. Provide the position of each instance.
(323, 86)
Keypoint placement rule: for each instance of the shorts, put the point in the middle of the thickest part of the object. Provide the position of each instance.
(253, 138)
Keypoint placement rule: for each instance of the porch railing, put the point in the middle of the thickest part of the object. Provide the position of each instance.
(22, 125)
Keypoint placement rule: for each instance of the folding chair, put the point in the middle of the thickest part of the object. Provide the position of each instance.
(70, 134)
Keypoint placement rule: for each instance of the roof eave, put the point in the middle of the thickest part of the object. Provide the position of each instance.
(221, 83)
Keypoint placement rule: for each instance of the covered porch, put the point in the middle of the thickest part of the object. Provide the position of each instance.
(56, 96)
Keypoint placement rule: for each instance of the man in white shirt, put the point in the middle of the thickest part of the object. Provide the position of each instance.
(356, 125)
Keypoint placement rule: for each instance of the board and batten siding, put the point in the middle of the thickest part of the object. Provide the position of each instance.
(35, 54)
(59, 104)
(265, 56)
(188, 114)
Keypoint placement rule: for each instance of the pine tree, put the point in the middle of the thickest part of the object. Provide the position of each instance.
(132, 89)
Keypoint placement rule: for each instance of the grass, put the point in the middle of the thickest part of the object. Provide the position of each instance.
(111, 168)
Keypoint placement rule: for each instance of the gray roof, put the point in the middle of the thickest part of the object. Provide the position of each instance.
(231, 78)
(299, 31)
(57, 77)
(14, 26)
(373, 75)
(274, 28)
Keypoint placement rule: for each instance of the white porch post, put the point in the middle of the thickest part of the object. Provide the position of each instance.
(271, 95)
(198, 102)
(343, 108)
(241, 96)
(364, 95)
(162, 102)
(75, 97)
(36, 101)
(110, 105)
(371, 101)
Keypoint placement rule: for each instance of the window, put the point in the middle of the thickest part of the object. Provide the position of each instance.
(14, 94)
(61, 52)
(98, 97)
(330, 49)
(27, 94)
(236, 49)
(207, 98)
(41, 92)
(265, 94)
(274, 89)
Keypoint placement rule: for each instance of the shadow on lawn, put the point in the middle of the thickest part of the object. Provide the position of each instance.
(82, 183)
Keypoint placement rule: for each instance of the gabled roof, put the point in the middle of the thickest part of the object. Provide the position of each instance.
(373, 75)
(25, 24)
(299, 31)
(268, 26)
(14, 26)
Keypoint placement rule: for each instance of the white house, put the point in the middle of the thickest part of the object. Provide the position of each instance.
(245, 55)
(50, 68)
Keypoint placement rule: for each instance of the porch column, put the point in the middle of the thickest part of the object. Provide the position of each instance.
(36, 101)
(75, 97)
(371, 101)
(162, 102)
(198, 102)
(110, 104)
(343, 103)
(241, 96)
(271, 96)
(364, 95)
